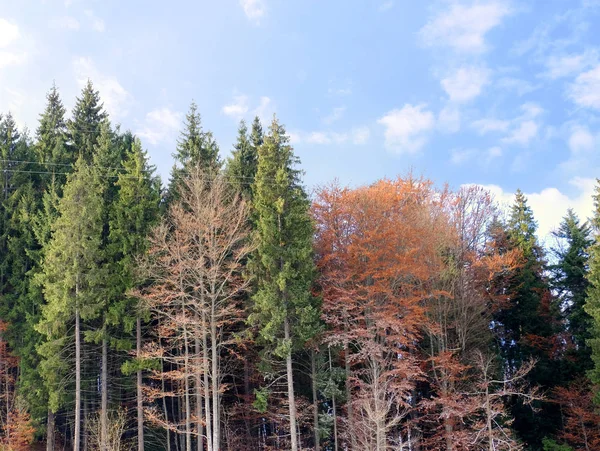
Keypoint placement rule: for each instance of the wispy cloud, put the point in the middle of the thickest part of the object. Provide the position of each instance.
(481, 157)
(559, 66)
(64, 23)
(486, 125)
(9, 36)
(115, 96)
(406, 128)
(463, 26)
(356, 136)
(581, 140)
(159, 125)
(97, 24)
(585, 91)
(466, 83)
(386, 5)
(254, 9)
(238, 108)
(449, 119)
(335, 115)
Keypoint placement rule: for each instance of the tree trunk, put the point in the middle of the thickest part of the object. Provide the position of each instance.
(104, 406)
(186, 384)
(313, 369)
(353, 446)
(207, 408)
(50, 431)
(290, 383)
(215, 381)
(77, 437)
(335, 434)
(198, 385)
(488, 411)
(139, 394)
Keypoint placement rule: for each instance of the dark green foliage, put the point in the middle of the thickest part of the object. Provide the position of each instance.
(195, 148)
(570, 283)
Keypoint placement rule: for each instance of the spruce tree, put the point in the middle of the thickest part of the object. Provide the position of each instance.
(529, 323)
(85, 126)
(134, 213)
(286, 313)
(195, 148)
(571, 285)
(592, 303)
(73, 282)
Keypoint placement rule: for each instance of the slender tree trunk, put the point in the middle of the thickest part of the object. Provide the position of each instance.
(207, 408)
(353, 446)
(139, 394)
(488, 411)
(186, 384)
(77, 437)
(164, 399)
(313, 368)
(198, 386)
(104, 406)
(50, 431)
(290, 387)
(215, 380)
(335, 434)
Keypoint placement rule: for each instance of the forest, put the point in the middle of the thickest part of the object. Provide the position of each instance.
(228, 309)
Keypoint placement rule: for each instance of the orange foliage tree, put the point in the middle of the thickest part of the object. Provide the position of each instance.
(378, 253)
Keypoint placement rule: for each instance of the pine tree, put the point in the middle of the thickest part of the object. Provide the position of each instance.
(241, 167)
(72, 281)
(134, 213)
(592, 303)
(285, 311)
(195, 148)
(84, 128)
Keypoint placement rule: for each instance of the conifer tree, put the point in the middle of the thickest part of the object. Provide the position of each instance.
(592, 303)
(134, 213)
(84, 127)
(72, 281)
(285, 311)
(196, 148)
(569, 280)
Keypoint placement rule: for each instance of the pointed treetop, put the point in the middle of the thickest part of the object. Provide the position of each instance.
(88, 115)
(522, 225)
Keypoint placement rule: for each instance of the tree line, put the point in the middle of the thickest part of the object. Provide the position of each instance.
(233, 311)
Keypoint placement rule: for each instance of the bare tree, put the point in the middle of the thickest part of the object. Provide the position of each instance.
(195, 261)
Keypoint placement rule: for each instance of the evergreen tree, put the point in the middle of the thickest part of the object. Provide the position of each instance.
(241, 167)
(529, 323)
(592, 303)
(73, 283)
(571, 285)
(285, 311)
(85, 126)
(134, 213)
(195, 148)
(51, 138)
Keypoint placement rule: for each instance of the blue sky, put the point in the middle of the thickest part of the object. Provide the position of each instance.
(500, 93)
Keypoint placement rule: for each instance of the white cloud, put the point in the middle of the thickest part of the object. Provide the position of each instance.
(65, 23)
(238, 108)
(487, 125)
(406, 128)
(264, 110)
(386, 5)
(115, 97)
(521, 87)
(463, 26)
(482, 157)
(585, 91)
(9, 33)
(10, 58)
(96, 22)
(360, 135)
(254, 9)
(565, 65)
(531, 110)
(460, 156)
(465, 83)
(581, 140)
(550, 205)
(159, 124)
(449, 120)
(318, 138)
(523, 134)
(335, 115)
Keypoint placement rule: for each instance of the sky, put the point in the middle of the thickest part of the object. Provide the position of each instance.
(501, 93)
